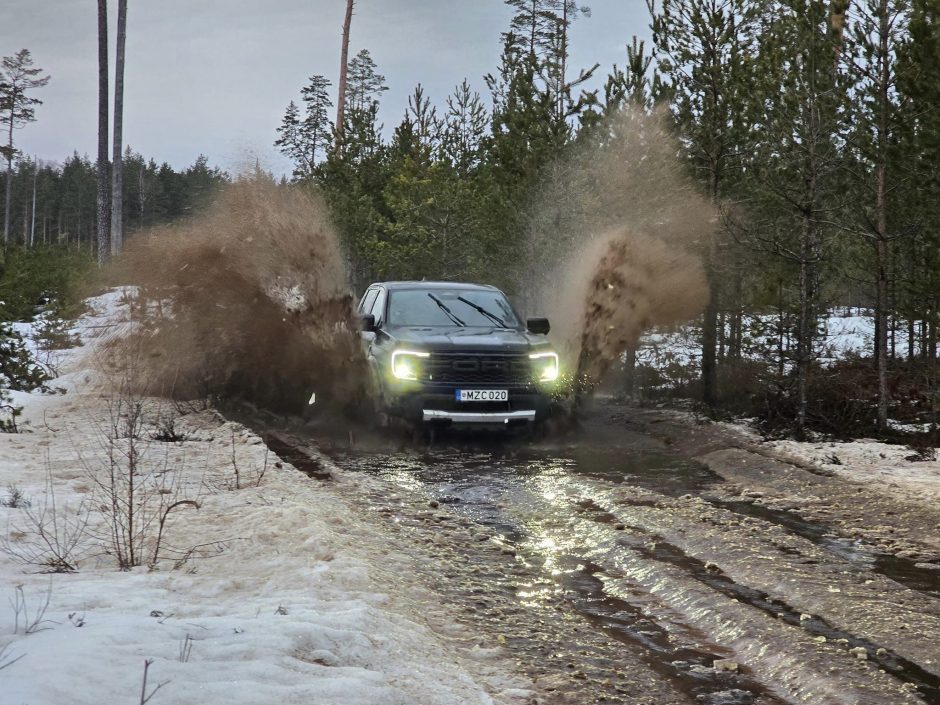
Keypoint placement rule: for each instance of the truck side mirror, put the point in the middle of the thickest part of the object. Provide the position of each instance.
(367, 323)
(539, 326)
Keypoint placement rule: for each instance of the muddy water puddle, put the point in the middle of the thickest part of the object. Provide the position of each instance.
(509, 493)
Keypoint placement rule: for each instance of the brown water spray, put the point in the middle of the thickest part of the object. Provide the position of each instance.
(626, 224)
(254, 303)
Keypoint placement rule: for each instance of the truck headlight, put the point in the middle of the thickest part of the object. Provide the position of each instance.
(406, 364)
(545, 365)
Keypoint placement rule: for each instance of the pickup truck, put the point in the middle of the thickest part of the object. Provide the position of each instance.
(448, 353)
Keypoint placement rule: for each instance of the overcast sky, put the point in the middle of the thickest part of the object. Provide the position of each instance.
(214, 76)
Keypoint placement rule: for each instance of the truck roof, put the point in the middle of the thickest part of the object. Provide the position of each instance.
(397, 285)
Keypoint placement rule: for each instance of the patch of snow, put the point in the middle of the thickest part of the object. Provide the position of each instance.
(910, 427)
(843, 333)
(892, 468)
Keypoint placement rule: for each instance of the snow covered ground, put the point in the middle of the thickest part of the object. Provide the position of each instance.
(276, 592)
(889, 468)
(895, 469)
(843, 332)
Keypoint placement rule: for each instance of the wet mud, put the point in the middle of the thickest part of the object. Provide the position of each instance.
(554, 548)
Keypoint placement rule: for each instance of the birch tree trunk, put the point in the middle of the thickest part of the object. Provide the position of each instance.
(117, 183)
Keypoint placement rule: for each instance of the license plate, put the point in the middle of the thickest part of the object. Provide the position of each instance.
(481, 394)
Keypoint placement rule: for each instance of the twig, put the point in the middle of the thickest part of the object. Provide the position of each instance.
(264, 468)
(144, 697)
(166, 513)
(235, 464)
(186, 649)
(6, 661)
(20, 607)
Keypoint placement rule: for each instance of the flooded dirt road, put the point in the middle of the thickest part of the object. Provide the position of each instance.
(632, 561)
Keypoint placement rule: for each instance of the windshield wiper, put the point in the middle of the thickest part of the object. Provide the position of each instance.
(450, 314)
(492, 316)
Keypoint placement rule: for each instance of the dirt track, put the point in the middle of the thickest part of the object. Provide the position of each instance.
(643, 559)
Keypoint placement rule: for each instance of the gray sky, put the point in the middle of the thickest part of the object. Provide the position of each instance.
(214, 76)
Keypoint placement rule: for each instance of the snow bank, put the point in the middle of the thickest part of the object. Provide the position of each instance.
(287, 596)
(894, 469)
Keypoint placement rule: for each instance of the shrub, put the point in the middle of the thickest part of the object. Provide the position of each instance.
(19, 370)
(40, 276)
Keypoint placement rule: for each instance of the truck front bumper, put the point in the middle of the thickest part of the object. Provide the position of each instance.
(494, 418)
(436, 405)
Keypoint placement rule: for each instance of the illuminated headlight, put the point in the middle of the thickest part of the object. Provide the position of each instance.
(406, 364)
(545, 365)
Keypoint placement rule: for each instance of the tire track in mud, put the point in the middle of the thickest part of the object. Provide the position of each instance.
(902, 570)
(762, 633)
(497, 512)
(874, 613)
(655, 548)
(765, 496)
(882, 524)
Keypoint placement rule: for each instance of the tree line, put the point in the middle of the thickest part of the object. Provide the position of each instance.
(54, 203)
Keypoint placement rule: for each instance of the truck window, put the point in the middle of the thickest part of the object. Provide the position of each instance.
(378, 306)
(365, 306)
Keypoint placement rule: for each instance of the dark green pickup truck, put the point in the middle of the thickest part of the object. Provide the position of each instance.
(452, 353)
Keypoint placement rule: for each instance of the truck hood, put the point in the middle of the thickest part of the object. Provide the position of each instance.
(468, 339)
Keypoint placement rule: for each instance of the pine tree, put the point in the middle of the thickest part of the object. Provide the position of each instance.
(423, 117)
(793, 187)
(17, 108)
(634, 86)
(560, 15)
(702, 48)
(289, 138)
(364, 86)
(317, 130)
(465, 123)
(875, 35)
(304, 139)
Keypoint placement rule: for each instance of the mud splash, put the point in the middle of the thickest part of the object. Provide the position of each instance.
(618, 232)
(249, 301)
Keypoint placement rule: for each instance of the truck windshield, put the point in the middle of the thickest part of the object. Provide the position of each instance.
(465, 308)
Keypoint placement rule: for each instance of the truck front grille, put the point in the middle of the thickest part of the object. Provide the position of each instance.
(480, 369)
